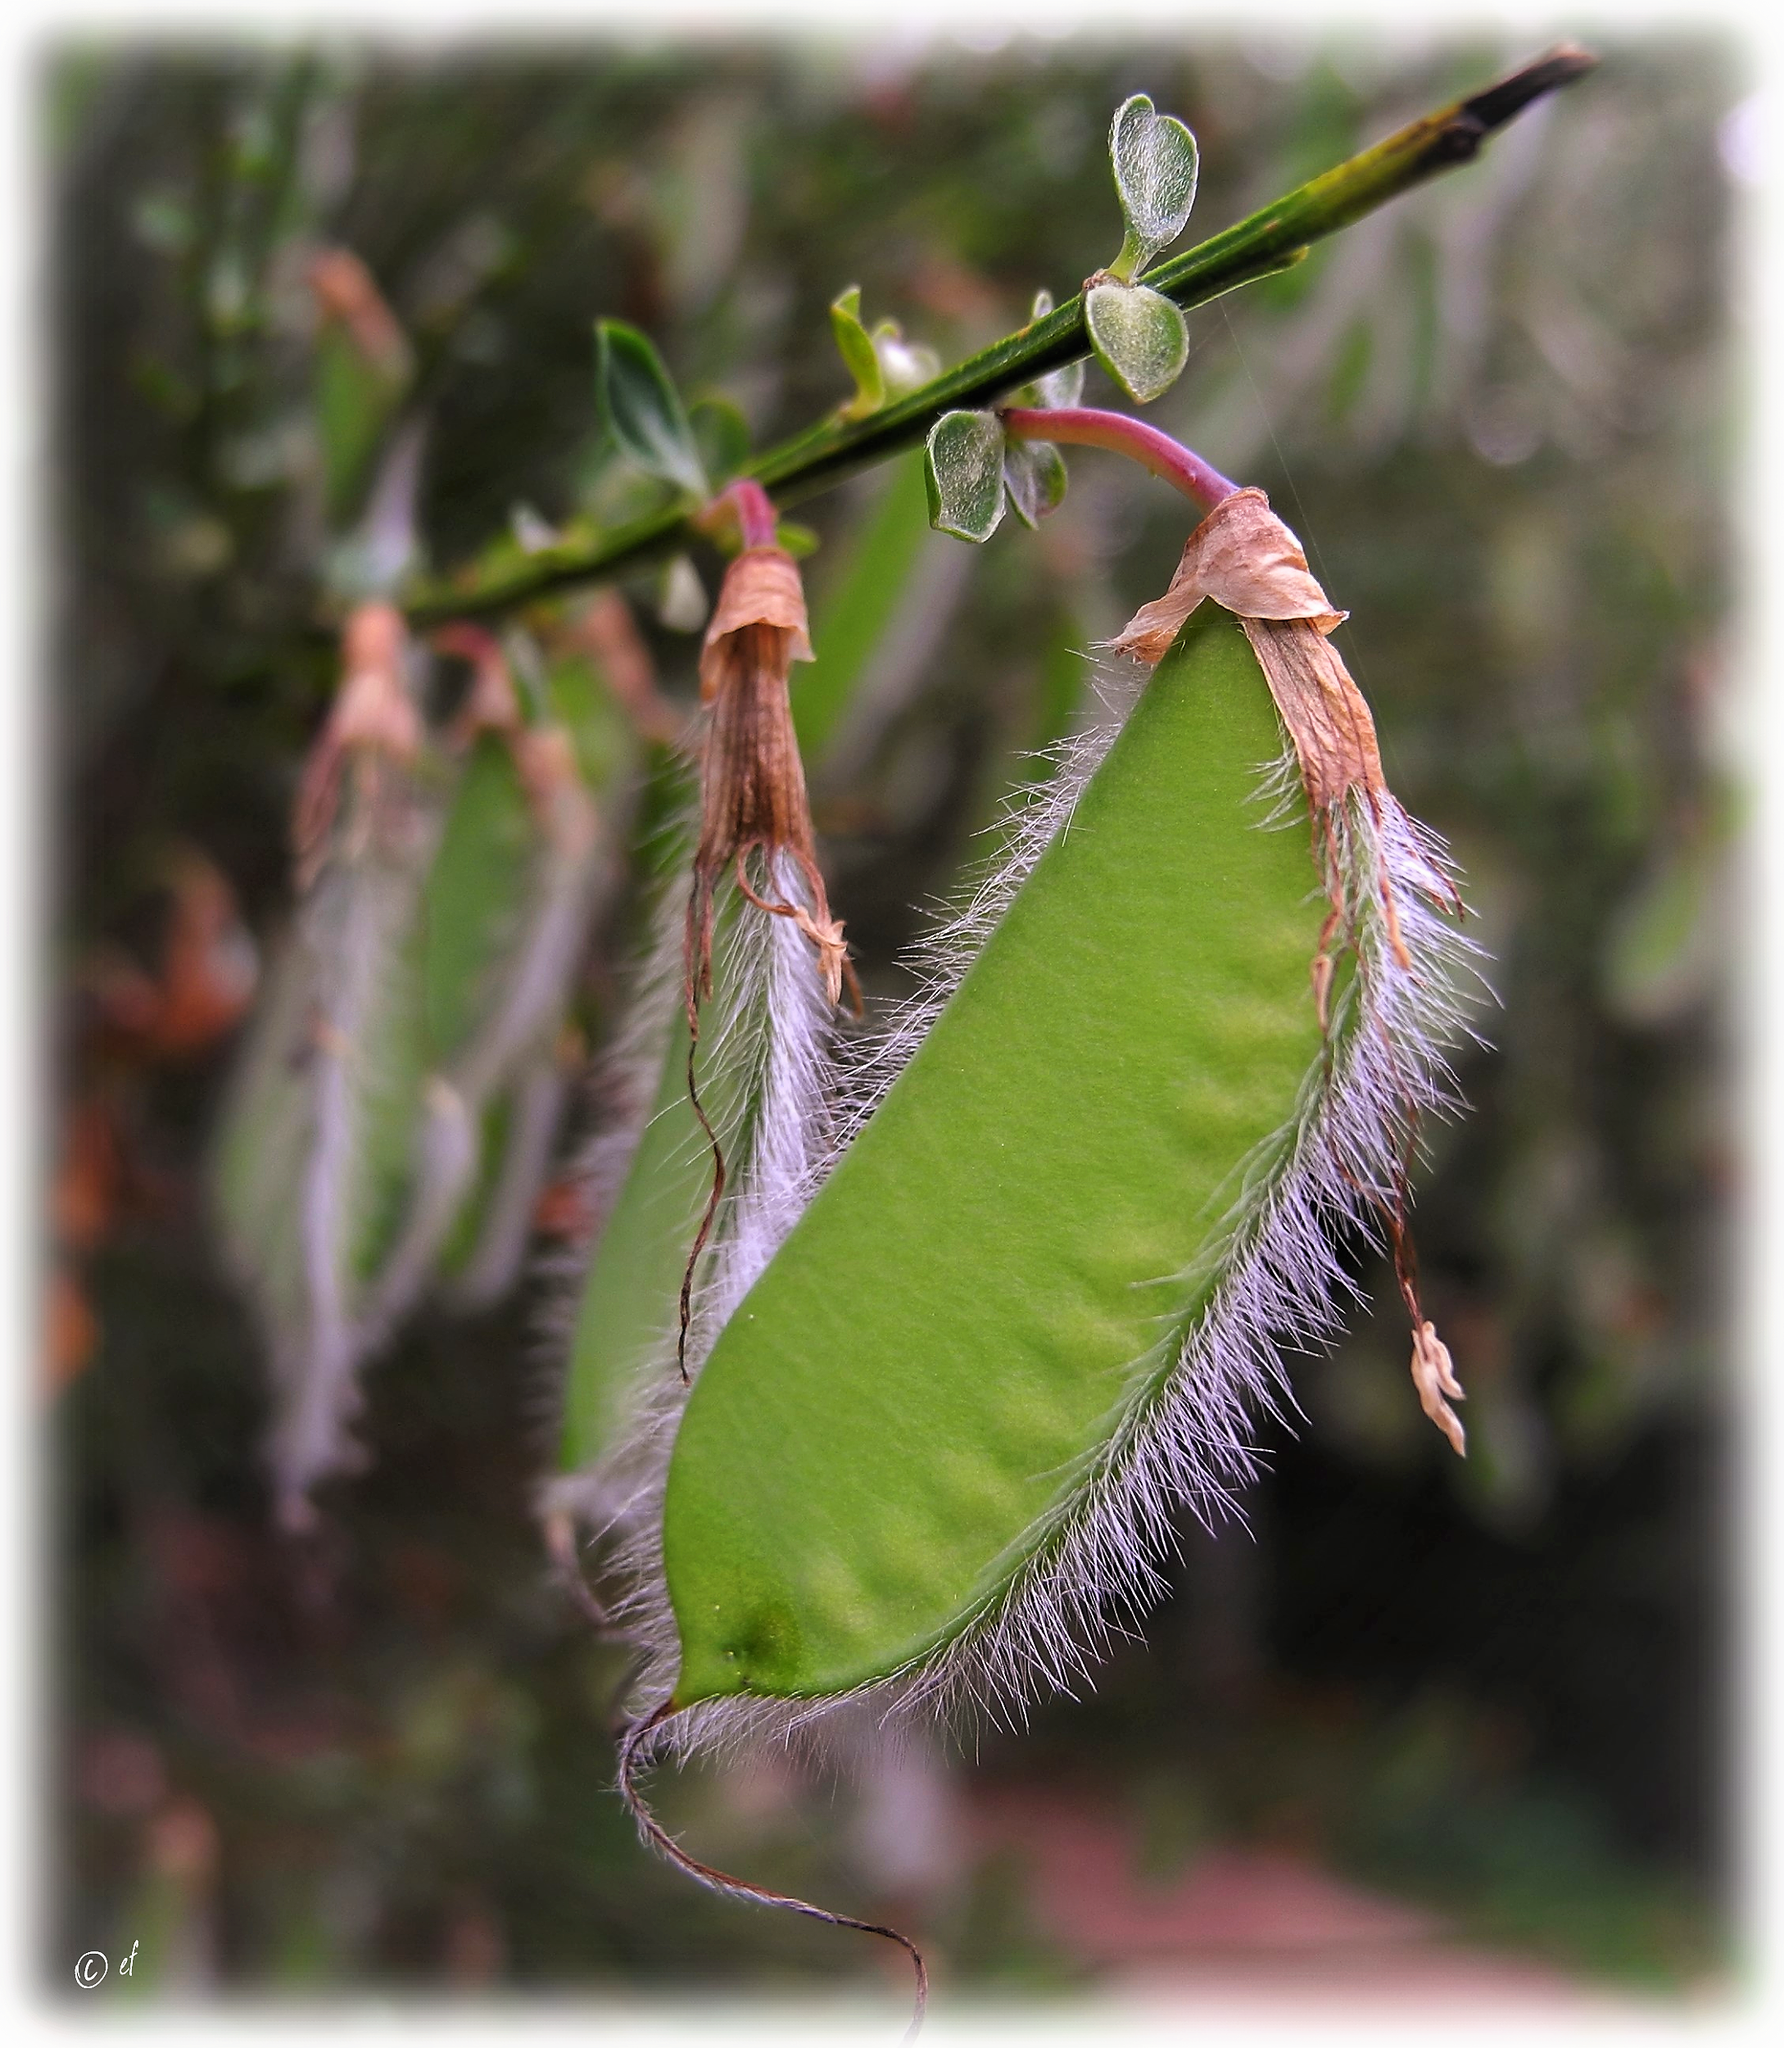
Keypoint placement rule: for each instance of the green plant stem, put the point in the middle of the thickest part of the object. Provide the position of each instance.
(1269, 240)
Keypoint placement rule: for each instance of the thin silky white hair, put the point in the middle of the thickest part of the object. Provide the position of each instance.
(620, 1095)
(351, 934)
(1185, 1429)
(527, 987)
(767, 1050)
(537, 1105)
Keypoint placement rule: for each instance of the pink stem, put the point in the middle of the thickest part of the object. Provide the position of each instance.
(752, 507)
(1086, 426)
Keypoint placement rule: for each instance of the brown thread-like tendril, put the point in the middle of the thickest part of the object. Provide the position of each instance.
(718, 1880)
(1428, 1352)
(697, 980)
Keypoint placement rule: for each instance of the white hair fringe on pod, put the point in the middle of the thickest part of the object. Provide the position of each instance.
(1189, 1440)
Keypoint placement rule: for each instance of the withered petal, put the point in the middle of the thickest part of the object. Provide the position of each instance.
(1333, 732)
(761, 588)
(1248, 562)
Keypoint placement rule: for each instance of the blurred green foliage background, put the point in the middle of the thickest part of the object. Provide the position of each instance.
(1500, 413)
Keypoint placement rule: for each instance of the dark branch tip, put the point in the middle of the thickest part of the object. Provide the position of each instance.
(1499, 103)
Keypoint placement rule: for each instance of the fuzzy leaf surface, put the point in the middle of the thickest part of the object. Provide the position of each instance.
(1140, 338)
(1035, 477)
(1155, 162)
(965, 469)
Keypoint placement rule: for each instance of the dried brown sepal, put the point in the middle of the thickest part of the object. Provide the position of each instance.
(544, 755)
(1323, 709)
(545, 759)
(490, 704)
(1249, 563)
(1434, 1375)
(373, 724)
(1245, 559)
(761, 588)
(752, 783)
(752, 801)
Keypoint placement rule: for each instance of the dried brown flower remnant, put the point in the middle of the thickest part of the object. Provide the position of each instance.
(373, 724)
(544, 755)
(1434, 1376)
(345, 291)
(1245, 559)
(752, 785)
(490, 704)
(752, 800)
(606, 629)
(1248, 562)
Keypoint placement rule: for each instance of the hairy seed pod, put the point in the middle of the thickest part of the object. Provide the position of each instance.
(1088, 1193)
(730, 1046)
(505, 913)
(313, 1148)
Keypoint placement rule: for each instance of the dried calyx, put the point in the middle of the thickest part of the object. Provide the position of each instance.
(372, 727)
(1244, 559)
(1248, 562)
(753, 803)
(752, 786)
(544, 753)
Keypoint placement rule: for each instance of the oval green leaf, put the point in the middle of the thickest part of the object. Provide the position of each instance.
(861, 359)
(1140, 338)
(642, 410)
(1035, 477)
(964, 457)
(1155, 162)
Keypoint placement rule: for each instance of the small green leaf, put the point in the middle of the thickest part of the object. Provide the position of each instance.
(1139, 337)
(641, 409)
(356, 398)
(855, 345)
(964, 456)
(1035, 477)
(1058, 387)
(1154, 157)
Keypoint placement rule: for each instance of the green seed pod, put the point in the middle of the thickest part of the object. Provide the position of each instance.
(313, 1149)
(505, 909)
(1089, 1192)
(483, 1257)
(707, 1173)
(646, 1175)
(440, 923)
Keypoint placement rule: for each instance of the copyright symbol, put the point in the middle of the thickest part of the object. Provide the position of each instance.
(90, 1970)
